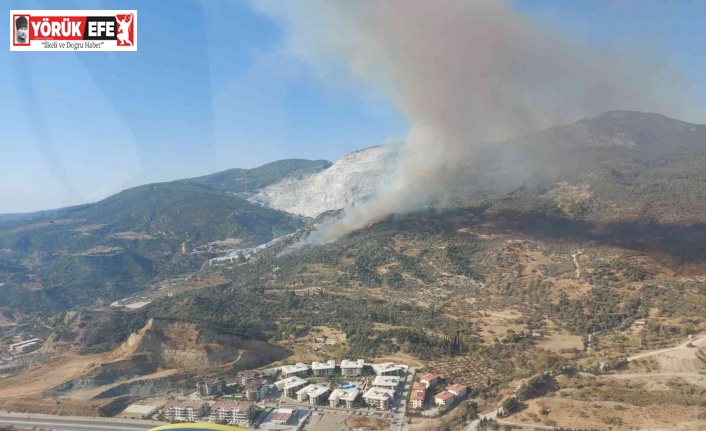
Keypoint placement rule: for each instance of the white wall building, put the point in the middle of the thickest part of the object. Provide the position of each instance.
(352, 368)
(327, 368)
(186, 410)
(298, 370)
(389, 382)
(315, 394)
(235, 412)
(379, 398)
(290, 385)
(388, 369)
(347, 397)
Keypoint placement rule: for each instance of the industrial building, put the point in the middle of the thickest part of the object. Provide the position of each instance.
(25, 346)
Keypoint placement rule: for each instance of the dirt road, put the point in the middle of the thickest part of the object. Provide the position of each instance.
(696, 340)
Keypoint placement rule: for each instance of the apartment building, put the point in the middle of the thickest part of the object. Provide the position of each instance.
(234, 412)
(190, 410)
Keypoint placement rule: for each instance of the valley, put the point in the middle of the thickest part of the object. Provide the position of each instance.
(578, 272)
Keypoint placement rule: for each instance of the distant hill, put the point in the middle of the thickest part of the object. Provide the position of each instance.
(111, 248)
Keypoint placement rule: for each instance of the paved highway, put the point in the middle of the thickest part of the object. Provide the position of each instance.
(71, 423)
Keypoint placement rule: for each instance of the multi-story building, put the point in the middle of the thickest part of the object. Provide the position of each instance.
(352, 368)
(444, 399)
(388, 369)
(379, 398)
(457, 389)
(290, 385)
(256, 390)
(297, 370)
(388, 382)
(430, 380)
(191, 410)
(416, 399)
(234, 412)
(346, 396)
(315, 394)
(248, 376)
(319, 369)
(419, 387)
(211, 387)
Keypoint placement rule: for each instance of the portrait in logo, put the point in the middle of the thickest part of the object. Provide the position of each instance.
(22, 30)
(125, 30)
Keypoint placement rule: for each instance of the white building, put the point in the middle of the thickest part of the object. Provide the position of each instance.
(346, 396)
(388, 369)
(26, 346)
(430, 379)
(186, 410)
(256, 390)
(379, 398)
(323, 369)
(457, 389)
(290, 385)
(444, 399)
(315, 394)
(298, 370)
(235, 412)
(352, 368)
(416, 399)
(388, 382)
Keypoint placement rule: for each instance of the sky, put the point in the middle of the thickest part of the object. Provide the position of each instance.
(212, 87)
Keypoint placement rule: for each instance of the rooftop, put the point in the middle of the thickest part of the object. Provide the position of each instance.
(446, 395)
(386, 367)
(313, 390)
(456, 387)
(230, 405)
(417, 396)
(429, 376)
(386, 381)
(344, 394)
(360, 363)
(418, 386)
(379, 394)
(299, 367)
(185, 404)
(291, 382)
(323, 365)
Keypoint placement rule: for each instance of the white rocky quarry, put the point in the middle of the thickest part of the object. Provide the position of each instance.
(353, 177)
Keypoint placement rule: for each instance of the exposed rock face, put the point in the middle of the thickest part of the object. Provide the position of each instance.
(353, 177)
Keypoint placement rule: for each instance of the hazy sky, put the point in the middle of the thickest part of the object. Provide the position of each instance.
(212, 87)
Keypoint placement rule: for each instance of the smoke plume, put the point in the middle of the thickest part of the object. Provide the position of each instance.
(465, 73)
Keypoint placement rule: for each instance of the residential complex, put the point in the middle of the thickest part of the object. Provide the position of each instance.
(416, 399)
(297, 370)
(327, 368)
(256, 390)
(430, 380)
(352, 368)
(315, 394)
(234, 412)
(211, 387)
(186, 410)
(389, 382)
(444, 399)
(379, 398)
(388, 369)
(458, 390)
(290, 385)
(346, 396)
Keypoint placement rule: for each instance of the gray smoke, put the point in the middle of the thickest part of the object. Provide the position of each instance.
(465, 73)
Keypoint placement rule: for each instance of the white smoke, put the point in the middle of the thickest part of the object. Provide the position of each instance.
(464, 73)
